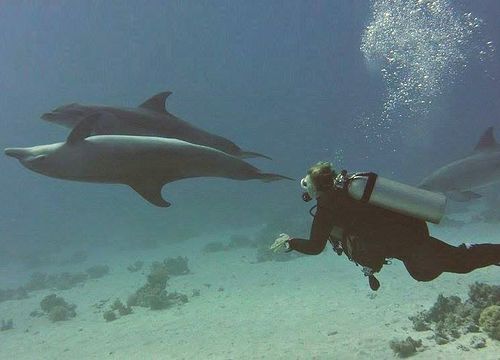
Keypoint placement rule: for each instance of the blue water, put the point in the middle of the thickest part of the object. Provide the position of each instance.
(284, 78)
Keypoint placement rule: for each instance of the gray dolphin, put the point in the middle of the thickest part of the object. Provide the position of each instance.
(149, 119)
(479, 169)
(144, 163)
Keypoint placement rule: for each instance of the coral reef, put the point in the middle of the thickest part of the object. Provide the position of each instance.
(57, 308)
(117, 306)
(37, 313)
(136, 266)
(41, 281)
(121, 308)
(449, 317)
(484, 295)
(489, 320)
(65, 280)
(165, 300)
(477, 342)
(153, 293)
(177, 266)
(38, 281)
(7, 325)
(13, 294)
(405, 348)
(62, 281)
(158, 276)
(109, 315)
(60, 313)
(97, 271)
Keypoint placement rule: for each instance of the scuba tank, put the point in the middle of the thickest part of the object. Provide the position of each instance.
(392, 195)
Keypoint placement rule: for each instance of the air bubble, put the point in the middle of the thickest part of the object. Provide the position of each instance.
(419, 47)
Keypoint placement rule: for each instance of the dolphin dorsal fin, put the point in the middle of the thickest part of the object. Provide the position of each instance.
(156, 102)
(83, 129)
(487, 140)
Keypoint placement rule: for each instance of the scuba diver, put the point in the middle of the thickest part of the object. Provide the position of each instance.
(372, 219)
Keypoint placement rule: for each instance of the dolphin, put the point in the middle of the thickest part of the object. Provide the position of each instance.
(149, 119)
(142, 162)
(479, 169)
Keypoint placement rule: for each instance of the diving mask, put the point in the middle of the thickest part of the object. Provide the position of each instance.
(310, 192)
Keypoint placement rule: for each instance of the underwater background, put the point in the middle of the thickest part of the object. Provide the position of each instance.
(300, 81)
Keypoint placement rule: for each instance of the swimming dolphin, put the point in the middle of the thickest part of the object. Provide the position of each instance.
(142, 162)
(481, 168)
(149, 119)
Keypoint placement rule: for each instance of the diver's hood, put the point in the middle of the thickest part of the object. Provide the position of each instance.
(310, 191)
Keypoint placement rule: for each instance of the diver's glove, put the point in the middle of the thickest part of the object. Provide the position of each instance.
(281, 243)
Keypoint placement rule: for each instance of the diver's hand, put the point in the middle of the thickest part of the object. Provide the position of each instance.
(280, 243)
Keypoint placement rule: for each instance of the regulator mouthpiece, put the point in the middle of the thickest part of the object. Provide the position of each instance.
(310, 192)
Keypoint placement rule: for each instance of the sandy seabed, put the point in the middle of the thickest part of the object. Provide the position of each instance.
(313, 307)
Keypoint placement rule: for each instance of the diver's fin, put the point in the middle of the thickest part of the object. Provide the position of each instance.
(251, 154)
(83, 129)
(156, 102)
(487, 140)
(151, 191)
(462, 196)
(268, 177)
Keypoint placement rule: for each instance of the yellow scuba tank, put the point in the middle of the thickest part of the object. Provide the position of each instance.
(392, 195)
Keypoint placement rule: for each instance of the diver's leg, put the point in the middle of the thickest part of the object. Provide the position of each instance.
(414, 249)
(429, 259)
(422, 264)
(465, 258)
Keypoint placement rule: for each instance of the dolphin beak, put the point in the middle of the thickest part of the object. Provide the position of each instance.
(18, 153)
(47, 116)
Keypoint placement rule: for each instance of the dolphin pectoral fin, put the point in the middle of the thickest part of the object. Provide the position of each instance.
(268, 177)
(83, 129)
(462, 196)
(156, 102)
(251, 154)
(151, 191)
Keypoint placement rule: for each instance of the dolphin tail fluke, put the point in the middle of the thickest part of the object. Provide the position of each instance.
(150, 191)
(462, 196)
(251, 154)
(268, 177)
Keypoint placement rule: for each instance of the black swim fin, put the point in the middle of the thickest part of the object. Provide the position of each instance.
(374, 283)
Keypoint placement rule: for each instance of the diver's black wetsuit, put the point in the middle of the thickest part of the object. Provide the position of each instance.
(372, 234)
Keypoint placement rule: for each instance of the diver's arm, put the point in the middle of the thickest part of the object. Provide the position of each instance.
(320, 231)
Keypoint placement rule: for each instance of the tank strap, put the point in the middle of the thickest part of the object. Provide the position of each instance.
(370, 184)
